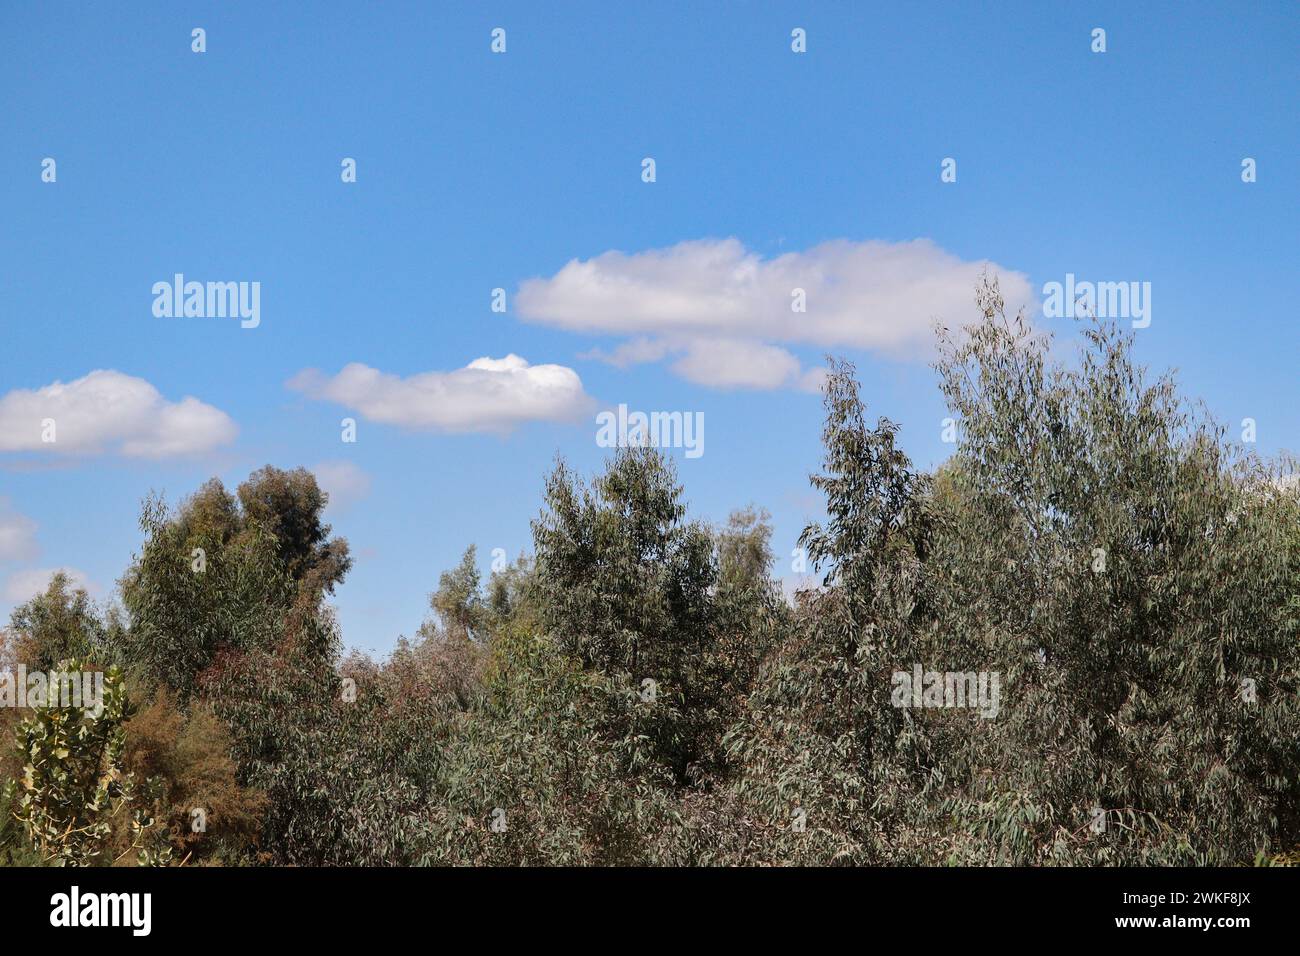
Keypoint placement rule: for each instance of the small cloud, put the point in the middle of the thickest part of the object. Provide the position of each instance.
(109, 412)
(487, 395)
(343, 481)
(22, 586)
(17, 535)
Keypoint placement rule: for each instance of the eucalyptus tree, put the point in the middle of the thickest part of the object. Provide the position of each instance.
(1130, 571)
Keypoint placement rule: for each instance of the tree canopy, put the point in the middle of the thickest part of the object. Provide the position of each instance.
(1074, 641)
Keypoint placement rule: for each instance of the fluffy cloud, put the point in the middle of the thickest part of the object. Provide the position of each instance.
(491, 395)
(723, 307)
(107, 411)
(22, 586)
(17, 535)
(343, 481)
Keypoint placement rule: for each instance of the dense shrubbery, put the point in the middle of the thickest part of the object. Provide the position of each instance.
(639, 691)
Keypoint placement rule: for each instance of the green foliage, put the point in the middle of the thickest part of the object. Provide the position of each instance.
(821, 742)
(15, 848)
(73, 786)
(288, 505)
(458, 601)
(1095, 543)
(287, 735)
(561, 758)
(61, 623)
(630, 589)
(640, 692)
(220, 576)
(1131, 573)
(185, 607)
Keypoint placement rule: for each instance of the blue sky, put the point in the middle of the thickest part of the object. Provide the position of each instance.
(478, 170)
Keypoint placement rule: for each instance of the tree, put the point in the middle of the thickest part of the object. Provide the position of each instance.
(557, 765)
(1128, 575)
(217, 575)
(745, 549)
(825, 762)
(226, 611)
(624, 584)
(1123, 566)
(60, 623)
(289, 505)
(458, 602)
(639, 692)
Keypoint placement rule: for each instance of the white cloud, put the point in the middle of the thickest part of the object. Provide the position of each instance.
(17, 535)
(107, 411)
(22, 586)
(687, 298)
(733, 363)
(492, 395)
(343, 481)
